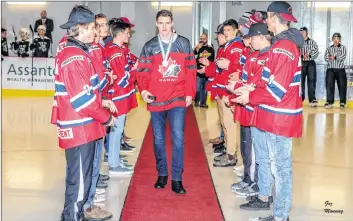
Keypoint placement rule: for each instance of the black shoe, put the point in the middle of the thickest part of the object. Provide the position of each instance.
(256, 204)
(129, 146)
(125, 148)
(104, 177)
(204, 105)
(251, 198)
(161, 182)
(219, 151)
(215, 146)
(177, 187)
(196, 104)
(342, 105)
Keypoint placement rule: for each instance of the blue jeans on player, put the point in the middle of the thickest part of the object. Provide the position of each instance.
(274, 156)
(95, 173)
(115, 136)
(201, 93)
(176, 118)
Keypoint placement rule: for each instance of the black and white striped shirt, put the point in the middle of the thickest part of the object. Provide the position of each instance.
(339, 52)
(310, 47)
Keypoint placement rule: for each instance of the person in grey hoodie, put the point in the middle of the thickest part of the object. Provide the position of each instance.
(277, 115)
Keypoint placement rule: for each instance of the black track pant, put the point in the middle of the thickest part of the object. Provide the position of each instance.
(78, 179)
(248, 154)
(340, 76)
(309, 73)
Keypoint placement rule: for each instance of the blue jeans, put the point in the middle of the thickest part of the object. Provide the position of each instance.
(274, 156)
(115, 136)
(201, 93)
(176, 117)
(95, 173)
(106, 141)
(222, 133)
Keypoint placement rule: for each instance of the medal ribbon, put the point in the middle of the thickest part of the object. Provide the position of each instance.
(165, 55)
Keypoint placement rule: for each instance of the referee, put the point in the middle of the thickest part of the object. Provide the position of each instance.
(309, 52)
(335, 56)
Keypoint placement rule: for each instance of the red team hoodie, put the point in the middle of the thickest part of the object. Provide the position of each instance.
(232, 51)
(170, 84)
(78, 111)
(278, 98)
(213, 72)
(122, 91)
(251, 75)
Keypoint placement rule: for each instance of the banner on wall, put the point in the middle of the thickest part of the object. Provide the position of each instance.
(16, 73)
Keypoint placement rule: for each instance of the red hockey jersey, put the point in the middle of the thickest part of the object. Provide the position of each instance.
(232, 51)
(170, 83)
(278, 96)
(122, 91)
(251, 75)
(80, 115)
(213, 72)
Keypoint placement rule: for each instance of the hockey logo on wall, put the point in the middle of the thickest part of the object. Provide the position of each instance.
(170, 70)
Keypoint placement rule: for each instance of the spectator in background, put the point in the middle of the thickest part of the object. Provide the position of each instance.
(47, 22)
(309, 53)
(335, 56)
(4, 46)
(21, 47)
(202, 50)
(41, 43)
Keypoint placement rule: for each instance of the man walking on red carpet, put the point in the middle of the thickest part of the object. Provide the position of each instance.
(166, 76)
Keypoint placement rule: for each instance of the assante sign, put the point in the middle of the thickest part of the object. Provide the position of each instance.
(20, 70)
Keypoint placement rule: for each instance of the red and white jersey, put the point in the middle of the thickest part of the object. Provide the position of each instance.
(252, 73)
(232, 51)
(278, 98)
(122, 91)
(80, 115)
(213, 72)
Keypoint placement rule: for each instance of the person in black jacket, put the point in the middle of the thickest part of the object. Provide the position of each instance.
(202, 50)
(309, 52)
(48, 23)
(41, 43)
(4, 46)
(21, 47)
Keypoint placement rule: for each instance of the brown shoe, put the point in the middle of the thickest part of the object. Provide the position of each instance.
(95, 213)
(216, 140)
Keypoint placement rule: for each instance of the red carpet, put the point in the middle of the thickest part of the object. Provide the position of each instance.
(145, 203)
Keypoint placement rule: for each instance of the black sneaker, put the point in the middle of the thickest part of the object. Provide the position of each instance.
(314, 103)
(328, 106)
(342, 105)
(256, 204)
(204, 105)
(219, 151)
(270, 217)
(124, 148)
(251, 198)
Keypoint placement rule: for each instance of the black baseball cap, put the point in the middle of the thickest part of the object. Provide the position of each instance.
(284, 9)
(336, 35)
(79, 15)
(257, 29)
(219, 29)
(303, 29)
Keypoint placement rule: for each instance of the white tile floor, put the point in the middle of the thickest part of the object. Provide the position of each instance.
(33, 167)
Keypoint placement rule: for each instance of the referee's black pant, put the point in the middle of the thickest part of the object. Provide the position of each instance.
(78, 180)
(309, 72)
(340, 76)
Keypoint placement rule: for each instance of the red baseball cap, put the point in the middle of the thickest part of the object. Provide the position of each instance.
(127, 21)
(284, 8)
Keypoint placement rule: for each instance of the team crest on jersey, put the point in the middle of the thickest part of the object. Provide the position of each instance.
(71, 59)
(172, 69)
(261, 62)
(282, 51)
(236, 50)
(205, 54)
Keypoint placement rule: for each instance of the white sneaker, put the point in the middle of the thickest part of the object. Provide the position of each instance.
(239, 168)
(99, 198)
(100, 191)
